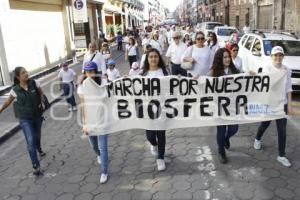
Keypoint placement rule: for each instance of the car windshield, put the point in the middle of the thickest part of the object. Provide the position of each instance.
(212, 26)
(225, 31)
(290, 47)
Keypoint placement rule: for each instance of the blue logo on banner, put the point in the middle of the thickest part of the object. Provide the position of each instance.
(78, 4)
(254, 109)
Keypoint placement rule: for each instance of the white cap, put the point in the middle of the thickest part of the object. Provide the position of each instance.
(135, 65)
(277, 49)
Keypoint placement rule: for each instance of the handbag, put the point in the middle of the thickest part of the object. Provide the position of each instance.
(188, 65)
(44, 102)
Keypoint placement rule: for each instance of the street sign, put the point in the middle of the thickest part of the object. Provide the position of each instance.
(79, 11)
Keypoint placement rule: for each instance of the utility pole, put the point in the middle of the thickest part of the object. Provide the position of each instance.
(282, 22)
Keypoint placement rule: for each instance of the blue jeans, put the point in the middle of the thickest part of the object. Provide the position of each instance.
(224, 133)
(31, 128)
(281, 130)
(99, 145)
(69, 93)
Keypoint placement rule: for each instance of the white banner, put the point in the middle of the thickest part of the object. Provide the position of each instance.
(79, 8)
(171, 102)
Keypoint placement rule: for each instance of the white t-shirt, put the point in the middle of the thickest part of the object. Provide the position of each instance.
(113, 74)
(98, 59)
(246, 29)
(12, 92)
(94, 113)
(134, 72)
(67, 76)
(175, 52)
(271, 69)
(146, 41)
(80, 89)
(143, 61)
(169, 36)
(156, 45)
(132, 50)
(155, 74)
(162, 39)
(126, 39)
(238, 63)
(106, 55)
(202, 56)
(214, 48)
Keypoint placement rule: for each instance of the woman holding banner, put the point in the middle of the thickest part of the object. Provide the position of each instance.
(222, 66)
(98, 143)
(277, 55)
(154, 67)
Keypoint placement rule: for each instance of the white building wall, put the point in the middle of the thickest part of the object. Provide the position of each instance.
(33, 38)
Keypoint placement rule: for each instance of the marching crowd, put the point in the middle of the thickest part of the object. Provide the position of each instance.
(188, 53)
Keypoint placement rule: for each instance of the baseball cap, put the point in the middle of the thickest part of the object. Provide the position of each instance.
(64, 64)
(277, 49)
(89, 66)
(111, 62)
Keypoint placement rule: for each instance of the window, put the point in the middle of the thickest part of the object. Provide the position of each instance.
(256, 47)
(290, 47)
(226, 31)
(244, 40)
(249, 42)
(79, 29)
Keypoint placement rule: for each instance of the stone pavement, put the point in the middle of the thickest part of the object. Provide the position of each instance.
(193, 171)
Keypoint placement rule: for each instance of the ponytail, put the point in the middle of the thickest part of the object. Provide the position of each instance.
(17, 72)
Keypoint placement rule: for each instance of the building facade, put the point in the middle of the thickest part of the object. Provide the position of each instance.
(259, 14)
(39, 34)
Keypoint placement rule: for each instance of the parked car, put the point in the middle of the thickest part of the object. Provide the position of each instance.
(255, 51)
(223, 34)
(207, 27)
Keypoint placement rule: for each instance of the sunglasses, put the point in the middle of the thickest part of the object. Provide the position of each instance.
(200, 38)
(175, 38)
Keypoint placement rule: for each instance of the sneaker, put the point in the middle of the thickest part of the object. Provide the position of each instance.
(284, 161)
(70, 109)
(257, 144)
(227, 143)
(36, 171)
(41, 153)
(98, 160)
(153, 150)
(161, 166)
(222, 158)
(74, 108)
(103, 178)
